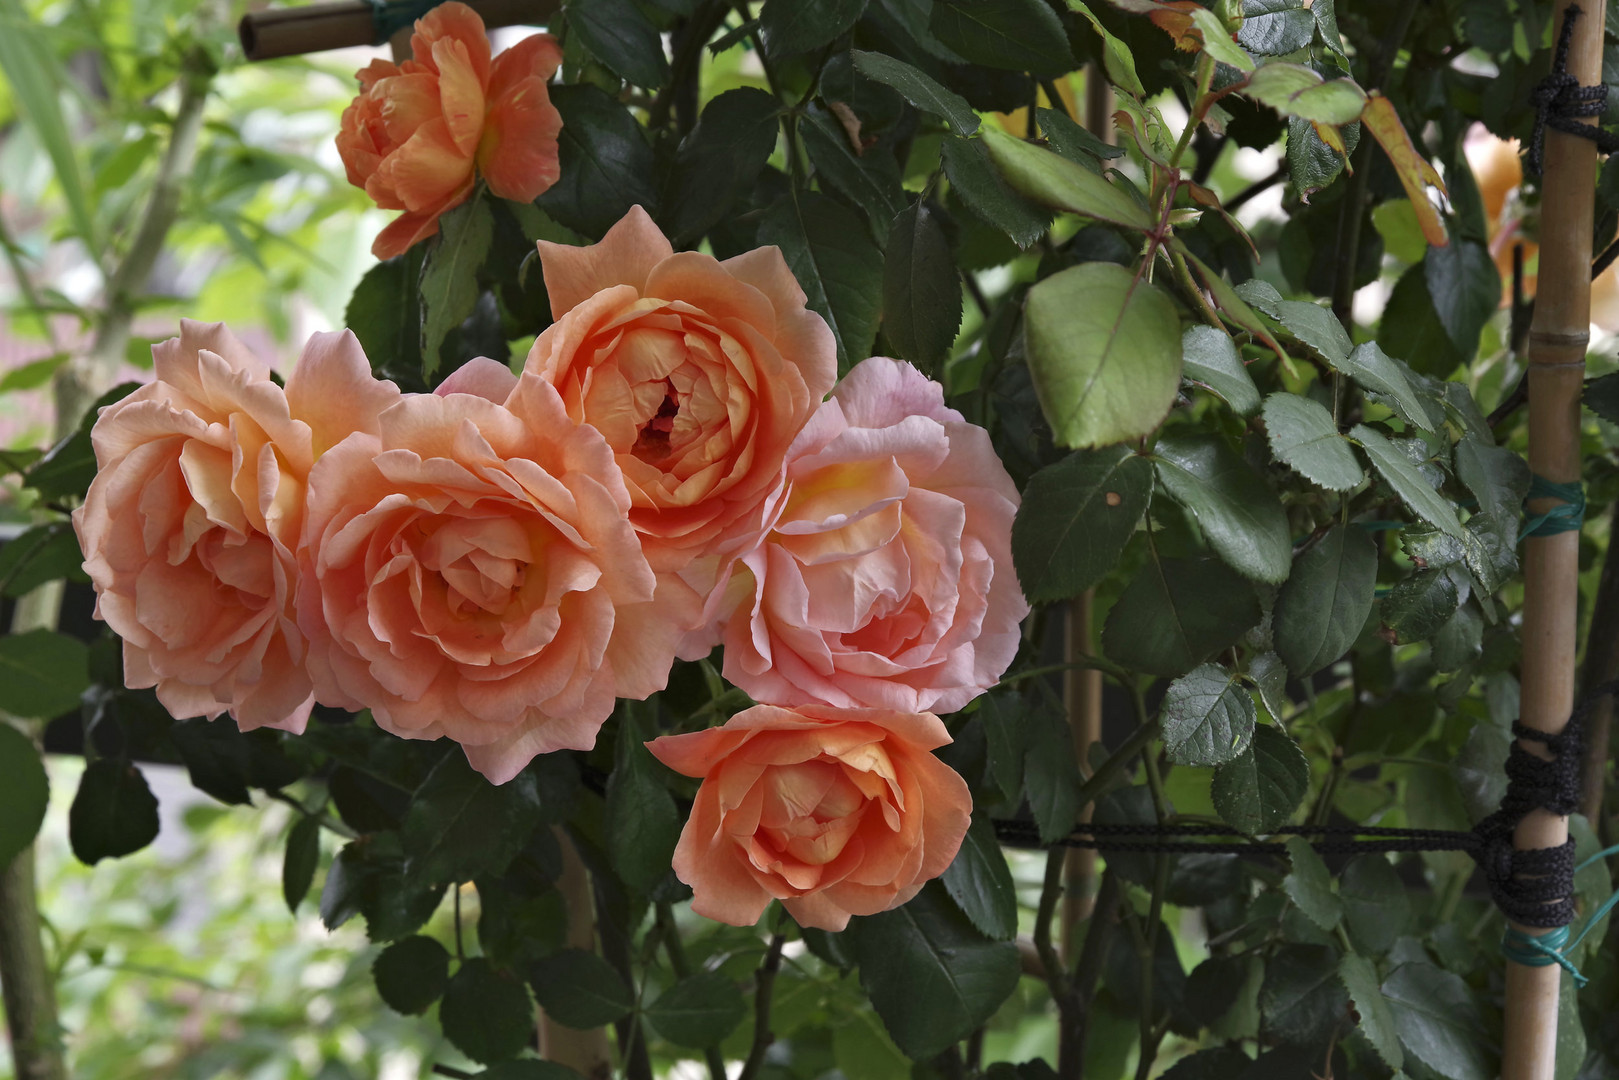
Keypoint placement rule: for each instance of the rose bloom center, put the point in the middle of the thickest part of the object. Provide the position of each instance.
(812, 809)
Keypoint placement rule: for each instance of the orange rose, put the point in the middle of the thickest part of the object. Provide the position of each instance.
(699, 373)
(420, 130)
(834, 812)
(190, 527)
(469, 572)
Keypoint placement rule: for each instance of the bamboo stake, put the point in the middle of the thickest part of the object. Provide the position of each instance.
(267, 35)
(585, 1052)
(1557, 344)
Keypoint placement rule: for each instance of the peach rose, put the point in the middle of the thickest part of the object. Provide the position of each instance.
(886, 578)
(698, 372)
(834, 812)
(470, 572)
(420, 130)
(190, 527)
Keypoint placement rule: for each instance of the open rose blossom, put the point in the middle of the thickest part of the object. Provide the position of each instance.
(470, 572)
(834, 812)
(886, 579)
(190, 527)
(421, 130)
(698, 372)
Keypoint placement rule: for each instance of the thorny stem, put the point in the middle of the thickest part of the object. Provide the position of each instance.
(1050, 893)
(764, 983)
(676, 950)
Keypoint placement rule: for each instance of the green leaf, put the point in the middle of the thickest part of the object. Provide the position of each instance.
(1208, 717)
(36, 80)
(919, 89)
(1439, 307)
(1209, 358)
(1459, 640)
(1104, 351)
(301, 858)
(1316, 327)
(1016, 35)
(1301, 999)
(1376, 908)
(642, 823)
(1177, 613)
(1260, 790)
(1075, 519)
(1391, 382)
(528, 1069)
(1275, 27)
(1217, 40)
(411, 974)
(1295, 90)
(1269, 675)
(1073, 141)
(1303, 436)
(871, 182)
(1498, 478)
(1116, 57)
(459, 825)
(620, 36)
(368, 878)
(1214, 1063)
(1602, 396)
(1309, 884)
(113, 814)
(606, 164)
(216, 757)
(385, 314)
(42, 674)
(1051, 773)
(921, 289)
(1439, 1022)
(486, 1013)
(1408, 483)
(975, 179)
(66, 471)
(836, 264)
(718, 162)
(863, 1050)
(1240, 516)
(32, 375)
(1321, 609)
(1417, 607)
(698, 1011)
(1311, 163)
(932, 978)
(1376, 1018)
(24, 793)
(1006, 736)
(1052, 180)
(43, 553)
(579, 989)
(980, 883)
(799, 26)
(450, 275)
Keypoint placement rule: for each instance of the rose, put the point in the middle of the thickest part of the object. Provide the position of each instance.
(698, 372)
(886, 579)
(834, 812)
(470, 572)
(419, 131)
(190, 525)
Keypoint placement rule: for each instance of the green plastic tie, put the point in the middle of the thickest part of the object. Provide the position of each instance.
(1552, 947)
(388, 18)
(1567, 516)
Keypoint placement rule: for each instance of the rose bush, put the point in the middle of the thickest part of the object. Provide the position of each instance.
(834, 812)
(421, 132)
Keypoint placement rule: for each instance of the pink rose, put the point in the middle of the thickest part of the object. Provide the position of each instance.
(886, 579)
(470, 572)
(698, 372)
(834, 812)
(190, 527)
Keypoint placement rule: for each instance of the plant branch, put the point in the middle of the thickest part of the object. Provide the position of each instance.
(676, 951)
(764, 983)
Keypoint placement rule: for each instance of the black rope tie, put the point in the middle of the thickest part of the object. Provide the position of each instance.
(1561, 102)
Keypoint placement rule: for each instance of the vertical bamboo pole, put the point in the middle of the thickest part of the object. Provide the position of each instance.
(1557, 344)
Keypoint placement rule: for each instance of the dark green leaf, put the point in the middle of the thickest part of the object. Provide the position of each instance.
(1275, 27)
(1394, 384)
(1309, 884)
(837, 265)
(1317, 328)
(1376, 909)
(216, 756)
(1303, 436)
(449, 275)
(1376, 1018)
(1240, 516)
(1260, 790)
(1209, 359)
(1302, 999)
(980, 883)
(978, 183)
(1073, 141)
(1006, 738)
(579, 989)
(921, 289)
(385, 314)
(1104, 350)
(1311, 163)
(411, 974)
(605, 162)
(871, 182)
(1497, 477)
(1051, 773)
(528, 1069)
(459, 825)
(642, 823)
(486, 1013)
(620, 36)
(42, 674)
(1417, 607)
(1439, 307)
(1075, 519)
(698, 1011)
(1269, 675)
(1215, 1063)
(1439, 1022)
(919, 89)
(798, 26)
(368, 878)
(1178, 613)
(301, 858)
(1208, 717)
(718, 162)
(66, 470)
(1017, 35)
(1326, 600)
(1459, 640)
(114, 813)
(932, 978)
(1602, 397)
(43, 553)
(1407, 481)
(24, 792)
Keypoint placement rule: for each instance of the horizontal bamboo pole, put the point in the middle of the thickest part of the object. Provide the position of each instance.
(343, 24)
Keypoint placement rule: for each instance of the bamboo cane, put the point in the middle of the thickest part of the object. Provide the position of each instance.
(266, 35)
(1557, 344)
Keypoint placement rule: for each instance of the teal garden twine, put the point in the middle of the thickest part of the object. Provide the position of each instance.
(1553, 947)
(1567, 516)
